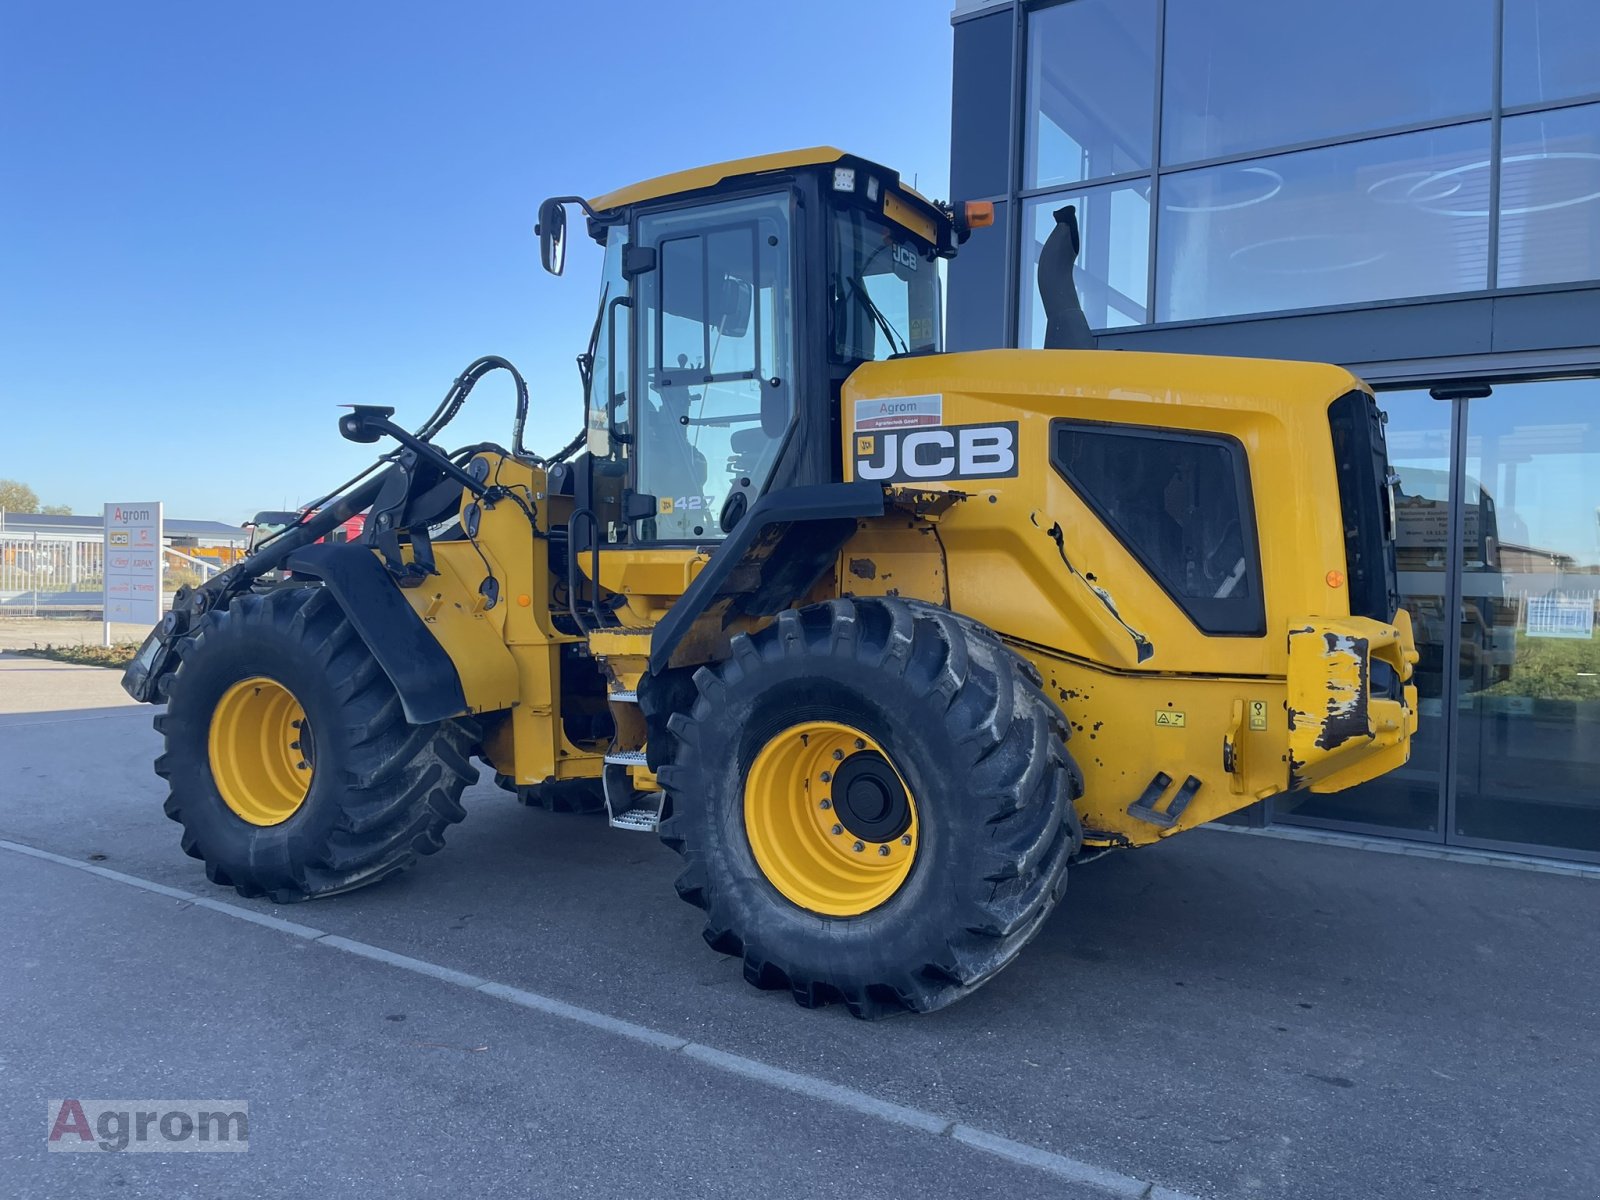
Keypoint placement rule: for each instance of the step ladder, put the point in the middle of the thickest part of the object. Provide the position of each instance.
(626, 806)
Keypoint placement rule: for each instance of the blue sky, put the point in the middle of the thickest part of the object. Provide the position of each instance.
(218, 222)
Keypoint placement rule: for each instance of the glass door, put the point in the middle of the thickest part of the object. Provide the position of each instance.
(1528, 721)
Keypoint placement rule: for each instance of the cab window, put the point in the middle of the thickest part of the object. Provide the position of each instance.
(884, 286)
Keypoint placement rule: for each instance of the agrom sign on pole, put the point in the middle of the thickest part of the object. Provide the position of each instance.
(132, 565)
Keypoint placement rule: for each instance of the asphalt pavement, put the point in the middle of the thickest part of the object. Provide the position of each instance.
(1218, 1016)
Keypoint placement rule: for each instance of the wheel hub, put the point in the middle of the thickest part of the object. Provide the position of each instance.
(261, 752)
(830, 820)
(869, 797)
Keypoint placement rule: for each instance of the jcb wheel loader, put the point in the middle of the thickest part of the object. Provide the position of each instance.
(822, 605)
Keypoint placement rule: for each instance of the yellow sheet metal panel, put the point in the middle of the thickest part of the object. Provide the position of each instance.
(529, 743)
(666, 574)
(695, 178)
(920, 223)
(454, 611)
(1070, 582)
(895, 557)
(1128, 728)
(1172, 726)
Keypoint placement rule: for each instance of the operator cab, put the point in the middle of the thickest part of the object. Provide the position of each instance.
(722, 339)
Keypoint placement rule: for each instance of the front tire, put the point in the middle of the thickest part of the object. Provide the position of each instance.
(784, 798)
(289, 761)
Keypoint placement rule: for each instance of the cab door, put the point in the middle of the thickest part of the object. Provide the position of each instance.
(714, 361)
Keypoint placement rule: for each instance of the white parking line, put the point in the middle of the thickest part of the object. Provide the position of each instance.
(1061, 1166)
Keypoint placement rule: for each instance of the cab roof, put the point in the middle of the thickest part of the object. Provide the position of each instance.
(697, 178)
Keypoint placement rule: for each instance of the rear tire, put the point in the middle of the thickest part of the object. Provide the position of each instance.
(381, 791)
(981, 753)
(557, 796)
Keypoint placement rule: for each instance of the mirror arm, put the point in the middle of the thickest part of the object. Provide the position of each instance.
(578, 200)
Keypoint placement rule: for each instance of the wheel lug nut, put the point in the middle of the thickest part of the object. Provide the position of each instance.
(837, 755)
(883, 852)
(837, 830)
(859, 847)
(905, 839)
(303, 765)
(827, 776)
(860, 745)
(825, 804)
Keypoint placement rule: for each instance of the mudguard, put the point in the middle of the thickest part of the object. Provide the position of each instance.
(785, 543)
(429, 686)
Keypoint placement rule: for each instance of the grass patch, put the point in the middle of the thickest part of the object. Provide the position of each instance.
(118, 655)
(1553, 669)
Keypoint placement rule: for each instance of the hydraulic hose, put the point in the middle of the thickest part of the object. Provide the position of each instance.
(462, 387)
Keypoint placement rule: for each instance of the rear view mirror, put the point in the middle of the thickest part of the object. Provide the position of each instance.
(552, 230)
(734, 303)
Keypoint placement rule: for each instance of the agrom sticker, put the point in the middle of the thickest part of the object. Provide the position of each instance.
(939, 454)
(903, 412)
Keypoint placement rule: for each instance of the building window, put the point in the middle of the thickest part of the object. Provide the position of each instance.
(1276, 181)
(1371, 220)
(1550, 196)
(1528, 735)
(1181, 504)
(1091, 103)
(1550, 51)
(1113, 265)
(1251, 75)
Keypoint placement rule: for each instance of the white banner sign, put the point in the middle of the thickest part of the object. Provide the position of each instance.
(133, 563)
(1561, 617)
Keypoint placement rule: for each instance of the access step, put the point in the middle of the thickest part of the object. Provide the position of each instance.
(639, 820)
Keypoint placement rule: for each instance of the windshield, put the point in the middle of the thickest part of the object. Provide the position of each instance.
(885, 290)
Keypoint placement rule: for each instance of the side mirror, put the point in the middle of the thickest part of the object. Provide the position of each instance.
(733, 307)
(552, 230)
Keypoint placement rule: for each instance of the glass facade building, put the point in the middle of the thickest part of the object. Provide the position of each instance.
(1411, 190)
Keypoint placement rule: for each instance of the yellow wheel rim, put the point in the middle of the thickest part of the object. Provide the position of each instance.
(261, 751)
(831, 822)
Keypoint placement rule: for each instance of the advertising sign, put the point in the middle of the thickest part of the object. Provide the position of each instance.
(1561, 617)
(133, 563)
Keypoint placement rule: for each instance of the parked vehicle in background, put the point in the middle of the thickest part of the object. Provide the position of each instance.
(270, 521)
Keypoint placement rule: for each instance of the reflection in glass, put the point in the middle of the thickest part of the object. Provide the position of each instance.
(1374, 220)
(1409, 798)
(1091, 90)
(1550, 195)
(1550, 50)
(1257, 74)
(1528, 737)
(1113, 264)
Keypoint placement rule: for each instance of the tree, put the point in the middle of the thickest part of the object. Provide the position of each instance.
(18, 497)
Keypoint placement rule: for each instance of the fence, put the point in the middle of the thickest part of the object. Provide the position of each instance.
(60, 576)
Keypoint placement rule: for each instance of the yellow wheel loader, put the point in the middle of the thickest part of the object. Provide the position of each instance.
(878, 638)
